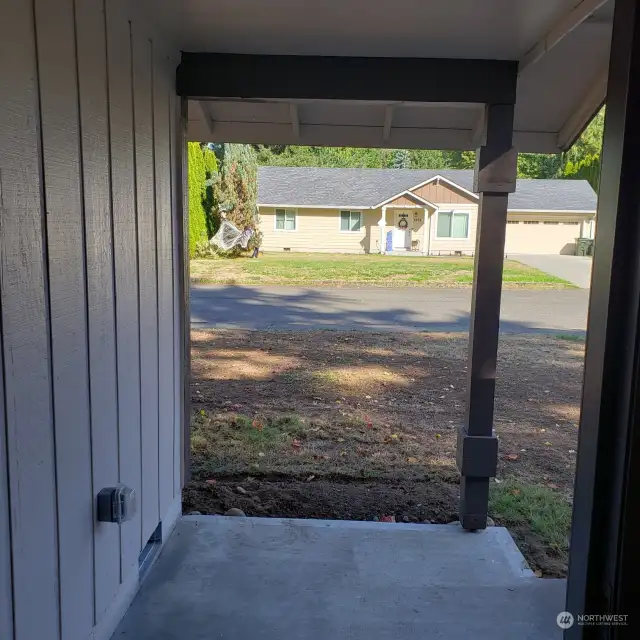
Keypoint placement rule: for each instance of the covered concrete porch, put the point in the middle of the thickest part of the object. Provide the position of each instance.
(247, 578)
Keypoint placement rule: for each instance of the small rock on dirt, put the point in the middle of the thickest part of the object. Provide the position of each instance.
(235, 512)
(490, 522)
(194, 513)
(241, 490)
(405, 518)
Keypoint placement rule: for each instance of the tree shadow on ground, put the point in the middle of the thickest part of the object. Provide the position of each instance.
(256, 308)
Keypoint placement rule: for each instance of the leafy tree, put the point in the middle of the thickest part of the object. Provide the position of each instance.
(428, 159)
(539, 165)
(235, 193)
(582, 161)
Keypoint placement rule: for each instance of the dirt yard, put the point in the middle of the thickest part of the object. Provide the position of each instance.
(354, 425)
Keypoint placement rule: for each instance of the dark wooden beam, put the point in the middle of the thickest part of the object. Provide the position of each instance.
(604, 553)
(495, 178)
(223, 75)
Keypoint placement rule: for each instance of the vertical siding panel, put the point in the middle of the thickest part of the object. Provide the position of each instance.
(176, 226)
(27, 382)
(61, 160)
(92, 78)
(142, 69)
(161, 88)
(6, 595)
(126, 269)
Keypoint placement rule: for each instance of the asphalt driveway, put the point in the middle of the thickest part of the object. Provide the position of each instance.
(375, 309)
(574, 269)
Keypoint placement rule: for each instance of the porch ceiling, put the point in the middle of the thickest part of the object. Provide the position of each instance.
(562, 47)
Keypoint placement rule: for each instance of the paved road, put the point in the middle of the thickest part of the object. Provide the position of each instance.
(376, 309)
(575, 269)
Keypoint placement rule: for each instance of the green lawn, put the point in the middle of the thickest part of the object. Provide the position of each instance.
(343, 270)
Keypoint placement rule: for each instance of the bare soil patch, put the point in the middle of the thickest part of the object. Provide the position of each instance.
(350, 425)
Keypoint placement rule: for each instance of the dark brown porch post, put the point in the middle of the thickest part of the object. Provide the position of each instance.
(604, 555)
(477, 444)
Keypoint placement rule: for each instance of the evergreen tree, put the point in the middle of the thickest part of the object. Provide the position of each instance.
(235, 193)
(197, 216)
(401, 159)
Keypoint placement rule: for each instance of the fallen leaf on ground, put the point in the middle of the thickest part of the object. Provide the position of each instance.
(515, 492)
(412, 460)
(551, 485)
(296, 443)
(256, 424)
(387, 518)
(261, 455)
(511, 456)
(340, 439)
(548, 444)
(394, 436)
(211, 481)
(310, 478)
(538, 573)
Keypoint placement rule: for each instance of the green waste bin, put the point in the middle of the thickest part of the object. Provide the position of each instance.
(584, 246)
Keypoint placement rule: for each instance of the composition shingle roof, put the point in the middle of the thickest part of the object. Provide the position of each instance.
(315, 186)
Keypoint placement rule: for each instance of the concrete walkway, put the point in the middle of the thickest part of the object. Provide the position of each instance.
(273, 579)
(574, 269)
(380, 309)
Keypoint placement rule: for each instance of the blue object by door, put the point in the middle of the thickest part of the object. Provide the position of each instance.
(389, 245)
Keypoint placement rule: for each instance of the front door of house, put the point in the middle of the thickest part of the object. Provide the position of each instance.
(402, 231)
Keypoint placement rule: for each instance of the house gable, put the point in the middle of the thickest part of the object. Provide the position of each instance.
(443, 193)
(407, 199)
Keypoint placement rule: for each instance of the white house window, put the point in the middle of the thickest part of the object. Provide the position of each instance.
(453, 224)
(285, 220)
(350, 220)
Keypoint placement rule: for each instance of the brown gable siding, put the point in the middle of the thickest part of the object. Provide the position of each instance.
(442, 194)
(402, 201)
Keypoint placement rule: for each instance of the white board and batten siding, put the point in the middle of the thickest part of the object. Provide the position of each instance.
(90, 393)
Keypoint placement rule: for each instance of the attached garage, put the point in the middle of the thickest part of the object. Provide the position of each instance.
(546, 233)
(546, 216)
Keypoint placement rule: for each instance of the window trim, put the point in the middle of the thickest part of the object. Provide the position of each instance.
(453, 213)
(275, 219)
(359, 212)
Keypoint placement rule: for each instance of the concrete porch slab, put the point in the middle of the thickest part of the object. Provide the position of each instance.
(269, 579)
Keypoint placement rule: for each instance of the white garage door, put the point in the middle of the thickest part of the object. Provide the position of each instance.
(537, 236)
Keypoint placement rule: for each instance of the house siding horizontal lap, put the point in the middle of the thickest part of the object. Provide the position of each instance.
(317, 230)
(447, 245)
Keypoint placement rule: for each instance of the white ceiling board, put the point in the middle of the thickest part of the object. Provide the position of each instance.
(502, 29)
(552, 90)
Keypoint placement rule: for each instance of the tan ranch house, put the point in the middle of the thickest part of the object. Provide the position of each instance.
(399, 210)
